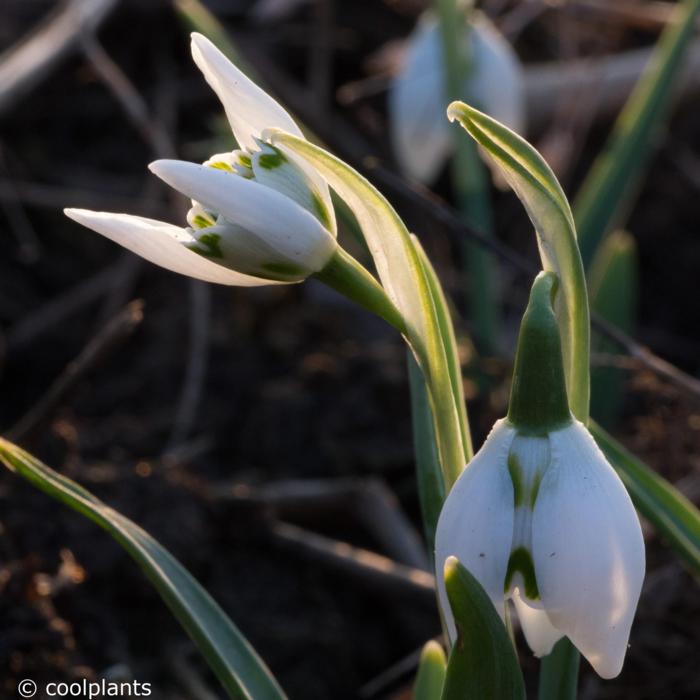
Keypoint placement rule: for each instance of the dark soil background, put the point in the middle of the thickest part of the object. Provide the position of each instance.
(202, 395)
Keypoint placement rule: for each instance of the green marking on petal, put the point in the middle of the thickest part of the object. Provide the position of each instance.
(521, 560)
(202, 221)
(535, 488)
(283, 271)
(271, 160)
(515, 470)
(321, 210)
(221, 165)
(245, 160)
(208, 245)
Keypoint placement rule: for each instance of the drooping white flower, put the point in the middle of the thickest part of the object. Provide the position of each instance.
(258, 216)
(422, 139)
(540, 516)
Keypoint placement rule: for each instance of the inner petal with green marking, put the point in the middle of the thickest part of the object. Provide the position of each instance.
(528, 459)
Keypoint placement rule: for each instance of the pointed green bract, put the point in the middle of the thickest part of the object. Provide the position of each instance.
(402, 275)
(538, 402)
(240, 670)
(539, 191)
(483, 664)
(431, 672)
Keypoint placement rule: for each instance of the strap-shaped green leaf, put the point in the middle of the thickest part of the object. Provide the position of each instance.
(431, 672)
(544, 200)
(402, 276)
(674, 517)
(240, 670)
(431, 486)
(613, 285)
(483, 664)
(449, 342)
(604, 197)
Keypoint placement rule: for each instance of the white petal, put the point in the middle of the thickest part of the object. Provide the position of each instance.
(539, 632)
(421, 136)
(496, 84)
(249, 108)
(162, 244)
(280, 222)
(588, 550)
(299, 180)
(286, 176)
(476, 522)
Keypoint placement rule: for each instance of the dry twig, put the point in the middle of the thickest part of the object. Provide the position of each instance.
(117, 330)
(30, 60)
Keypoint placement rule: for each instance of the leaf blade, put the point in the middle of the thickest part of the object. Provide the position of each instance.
(240, 670)
(545, 202)
(482, 664)
(431, 672)
(401, 273)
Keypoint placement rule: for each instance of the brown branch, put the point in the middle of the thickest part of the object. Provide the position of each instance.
(381, 573)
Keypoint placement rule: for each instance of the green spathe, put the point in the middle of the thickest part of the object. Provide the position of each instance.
(538, 400)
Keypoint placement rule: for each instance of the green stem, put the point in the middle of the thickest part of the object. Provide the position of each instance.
(559, 673)
(347, 276)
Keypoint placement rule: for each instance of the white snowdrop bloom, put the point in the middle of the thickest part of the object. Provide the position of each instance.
(259, 216)
(539, 515)
(422, 139)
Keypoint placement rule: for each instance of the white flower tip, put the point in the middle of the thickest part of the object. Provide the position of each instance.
(164, 165)
(179, 174)
(84, 216)
(200, 42)
(607, 666)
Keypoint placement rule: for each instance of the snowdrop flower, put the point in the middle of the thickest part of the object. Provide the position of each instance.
(422, 139)
(258, 216)
(539, 515)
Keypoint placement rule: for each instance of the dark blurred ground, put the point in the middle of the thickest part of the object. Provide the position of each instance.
(297, 384)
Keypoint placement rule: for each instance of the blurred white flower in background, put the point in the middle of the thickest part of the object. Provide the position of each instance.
(421, 137)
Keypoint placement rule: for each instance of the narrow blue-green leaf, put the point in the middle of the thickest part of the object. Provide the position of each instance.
(673, 516)
(449, 341)
(403, 278)
(613, 286)
(431, 672)
(544, 200)
(606, 194)
(483, 664)
(431, 485)
(240, 670)
(559, 672)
